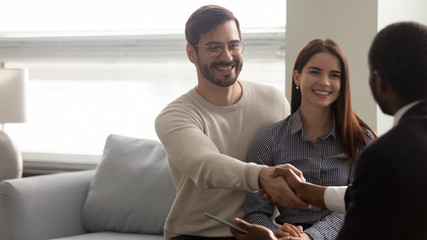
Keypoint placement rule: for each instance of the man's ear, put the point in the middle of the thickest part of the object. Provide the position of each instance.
(380, 84)
(385, 94)
(191, 53)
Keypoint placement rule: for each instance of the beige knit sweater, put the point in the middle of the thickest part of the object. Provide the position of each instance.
(206, 146)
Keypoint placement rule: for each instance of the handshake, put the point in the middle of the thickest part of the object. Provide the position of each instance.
(285, 186)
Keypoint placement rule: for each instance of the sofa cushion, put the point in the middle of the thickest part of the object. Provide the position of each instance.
(132, 190)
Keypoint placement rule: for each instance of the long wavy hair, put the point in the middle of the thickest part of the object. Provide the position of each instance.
(349, 127)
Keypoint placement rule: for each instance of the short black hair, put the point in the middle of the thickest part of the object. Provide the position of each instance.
(205, 19)
(399, 54)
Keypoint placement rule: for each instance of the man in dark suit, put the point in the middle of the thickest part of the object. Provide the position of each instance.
(388, 197)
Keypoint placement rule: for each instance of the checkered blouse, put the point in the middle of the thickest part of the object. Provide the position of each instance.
(321, 162)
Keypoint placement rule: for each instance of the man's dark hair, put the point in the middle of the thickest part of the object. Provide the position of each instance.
(399, 54)
(205, 19)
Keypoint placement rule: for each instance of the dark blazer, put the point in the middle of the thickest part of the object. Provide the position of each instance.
(388, 197)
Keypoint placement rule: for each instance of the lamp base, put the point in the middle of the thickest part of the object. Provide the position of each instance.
(11, 165)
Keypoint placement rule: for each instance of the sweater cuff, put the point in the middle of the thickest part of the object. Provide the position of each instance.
(252, 175)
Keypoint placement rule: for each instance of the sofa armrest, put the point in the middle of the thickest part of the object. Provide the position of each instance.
(43, 207)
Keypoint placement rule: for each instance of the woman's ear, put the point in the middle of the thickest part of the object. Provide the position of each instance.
(296, 78)
(191, 53)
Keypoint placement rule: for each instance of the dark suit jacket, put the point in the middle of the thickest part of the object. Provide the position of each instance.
(388, 198)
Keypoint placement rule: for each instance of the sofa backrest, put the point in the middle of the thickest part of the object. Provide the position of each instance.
(132, 190)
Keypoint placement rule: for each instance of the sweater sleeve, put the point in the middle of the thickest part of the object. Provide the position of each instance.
(192, 152)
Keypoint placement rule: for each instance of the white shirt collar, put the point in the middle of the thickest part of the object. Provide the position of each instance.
(398, 115)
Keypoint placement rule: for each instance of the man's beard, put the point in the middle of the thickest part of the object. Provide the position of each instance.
(227, 80)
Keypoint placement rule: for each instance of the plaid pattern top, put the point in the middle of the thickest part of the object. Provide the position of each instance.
(321, 162)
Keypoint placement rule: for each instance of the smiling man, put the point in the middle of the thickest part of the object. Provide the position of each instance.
(207, 131)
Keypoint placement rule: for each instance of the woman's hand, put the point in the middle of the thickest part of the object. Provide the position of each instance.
(255, 232)
(288, 230)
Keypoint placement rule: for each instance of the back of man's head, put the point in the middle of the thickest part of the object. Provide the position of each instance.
(399, 54)
(205, 19)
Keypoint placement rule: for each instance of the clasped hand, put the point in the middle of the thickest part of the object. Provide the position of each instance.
(280, 185)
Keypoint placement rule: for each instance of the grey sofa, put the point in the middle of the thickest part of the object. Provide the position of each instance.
(128, 196)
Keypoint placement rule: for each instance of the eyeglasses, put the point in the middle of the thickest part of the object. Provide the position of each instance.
(215, 49)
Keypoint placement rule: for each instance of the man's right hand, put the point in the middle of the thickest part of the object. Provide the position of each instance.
(292, 175)
(278, 190)
(307, 192)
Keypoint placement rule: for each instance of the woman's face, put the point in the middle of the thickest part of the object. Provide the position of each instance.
(319, 81)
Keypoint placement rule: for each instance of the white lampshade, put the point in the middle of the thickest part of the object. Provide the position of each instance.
(12, 95)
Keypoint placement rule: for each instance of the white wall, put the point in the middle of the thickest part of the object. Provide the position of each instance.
(390, 11)
(352, 24)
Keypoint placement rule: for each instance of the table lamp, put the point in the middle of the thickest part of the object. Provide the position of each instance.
(12, 110)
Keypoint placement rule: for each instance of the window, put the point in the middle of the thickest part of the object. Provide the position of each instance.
(102, 67)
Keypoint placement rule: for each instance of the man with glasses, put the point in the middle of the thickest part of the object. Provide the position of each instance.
(207, 131)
